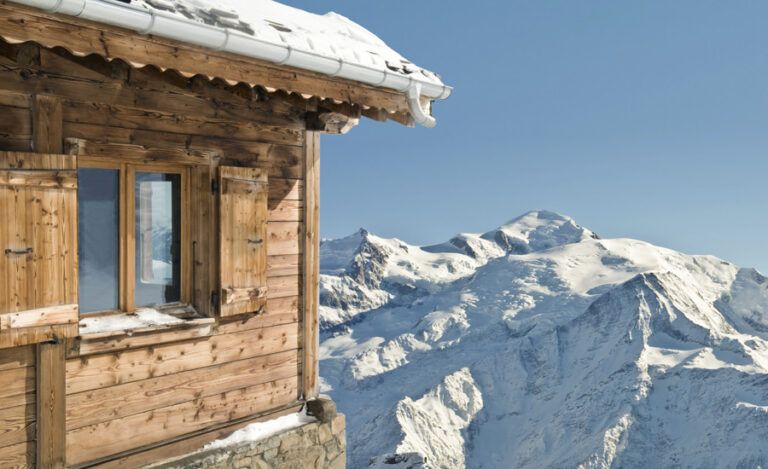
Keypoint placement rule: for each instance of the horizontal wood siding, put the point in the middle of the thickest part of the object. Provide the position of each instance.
(17, 407)
(104, 404)
(94, 372)
(185, 445)
(135, 392)
(16, 124)
(116, 436)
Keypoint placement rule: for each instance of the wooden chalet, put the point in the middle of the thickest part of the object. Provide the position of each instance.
(159, 174)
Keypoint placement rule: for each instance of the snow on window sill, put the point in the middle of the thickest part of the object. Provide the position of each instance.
(142, 321)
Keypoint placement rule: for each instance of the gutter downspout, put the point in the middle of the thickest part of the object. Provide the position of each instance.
(414, 105)
(162, 24)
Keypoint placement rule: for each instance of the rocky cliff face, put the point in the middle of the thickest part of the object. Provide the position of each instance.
(540, 345)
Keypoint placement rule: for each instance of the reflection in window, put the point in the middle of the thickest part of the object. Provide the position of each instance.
(98, 210)
(158, 238)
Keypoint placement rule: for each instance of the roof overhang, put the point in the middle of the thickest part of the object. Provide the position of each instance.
(19, 23)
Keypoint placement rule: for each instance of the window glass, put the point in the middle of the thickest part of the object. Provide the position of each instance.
(158, 238)
(98, 226)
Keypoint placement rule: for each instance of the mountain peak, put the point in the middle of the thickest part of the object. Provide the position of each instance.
(336, 254)
(541, 214)
(538, 230)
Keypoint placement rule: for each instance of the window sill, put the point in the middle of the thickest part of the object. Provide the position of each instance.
(144, 328)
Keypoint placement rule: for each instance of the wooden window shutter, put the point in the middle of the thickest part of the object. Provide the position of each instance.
(243, 240)
(38, 246)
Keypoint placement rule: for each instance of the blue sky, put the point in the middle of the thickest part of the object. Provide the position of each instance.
(639, 119)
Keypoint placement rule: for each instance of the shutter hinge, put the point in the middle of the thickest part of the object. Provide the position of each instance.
(215, 299)
(214, 186)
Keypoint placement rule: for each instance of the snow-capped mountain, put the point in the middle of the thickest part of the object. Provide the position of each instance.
(539, 344)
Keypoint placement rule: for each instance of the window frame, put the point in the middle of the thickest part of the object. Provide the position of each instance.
(127, 229)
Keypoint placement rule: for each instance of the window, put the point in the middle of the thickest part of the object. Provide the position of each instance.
(158, 238)
(130, 235)
(98, 224)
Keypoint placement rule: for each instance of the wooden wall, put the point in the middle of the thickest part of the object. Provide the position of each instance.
(17, 407)
(137, 392)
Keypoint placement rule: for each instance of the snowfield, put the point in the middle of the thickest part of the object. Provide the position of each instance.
(538, 344)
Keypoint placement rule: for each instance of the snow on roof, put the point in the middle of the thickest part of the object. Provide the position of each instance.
(330, 35)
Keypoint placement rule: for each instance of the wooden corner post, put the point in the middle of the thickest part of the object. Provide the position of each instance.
(311, 264)
(47, 123)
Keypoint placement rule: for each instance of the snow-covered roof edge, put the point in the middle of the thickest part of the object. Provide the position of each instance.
(329, 44)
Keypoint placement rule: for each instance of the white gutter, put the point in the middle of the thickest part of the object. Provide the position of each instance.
(414, 104)
(224, 39)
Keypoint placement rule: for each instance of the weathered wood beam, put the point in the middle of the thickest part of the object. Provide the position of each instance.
(379, 115)
(95, 113)
(28, 54)
(80, 78)
(139, 153)
(76, 78)
(311, 265)
(47, 129)
(331, 122)
(403, 118)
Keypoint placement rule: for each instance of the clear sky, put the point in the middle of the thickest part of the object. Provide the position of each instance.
(639, 119)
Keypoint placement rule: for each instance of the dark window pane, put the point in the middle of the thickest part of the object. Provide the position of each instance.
(158, 238)
(98, 238)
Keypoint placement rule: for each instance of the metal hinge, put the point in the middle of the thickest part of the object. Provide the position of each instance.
(55, 340)
(214, 186)
(215, 299)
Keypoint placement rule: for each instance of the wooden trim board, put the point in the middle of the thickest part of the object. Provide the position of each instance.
(311, 264)
(50, 315)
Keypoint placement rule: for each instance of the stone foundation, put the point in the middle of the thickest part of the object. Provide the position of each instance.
(316, 445)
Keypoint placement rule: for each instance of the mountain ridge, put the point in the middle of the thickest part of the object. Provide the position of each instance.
(568, 339)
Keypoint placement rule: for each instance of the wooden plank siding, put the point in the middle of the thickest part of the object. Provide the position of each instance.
(105, 404)
(51, 405)
(131, 397)
(105, 370)
(17, 407)
(183, 445)
(116, 436)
